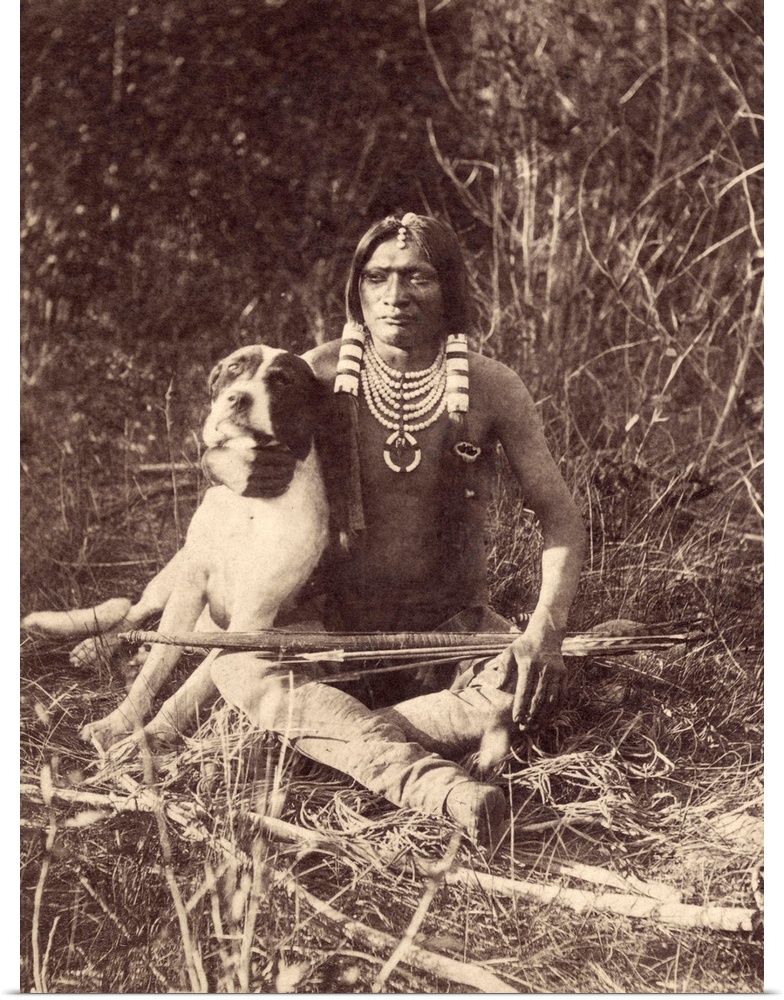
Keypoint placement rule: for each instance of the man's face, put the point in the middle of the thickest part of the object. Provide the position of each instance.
(401, 298)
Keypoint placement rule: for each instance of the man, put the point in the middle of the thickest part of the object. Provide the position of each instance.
(424, 417)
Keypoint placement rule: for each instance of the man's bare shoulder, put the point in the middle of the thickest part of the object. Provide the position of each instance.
(323, 360)
(488, 374)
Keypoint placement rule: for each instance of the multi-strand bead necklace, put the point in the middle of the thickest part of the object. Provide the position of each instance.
(403, 402)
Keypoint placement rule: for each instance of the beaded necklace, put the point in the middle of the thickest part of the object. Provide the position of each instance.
(403, 402)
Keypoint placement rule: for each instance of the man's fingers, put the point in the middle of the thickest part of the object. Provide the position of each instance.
(274, 481)
(540, 690)
(270, 473)
(267, 473)
(264, 489)
(541, 696)
(524, 691)
(266, 458)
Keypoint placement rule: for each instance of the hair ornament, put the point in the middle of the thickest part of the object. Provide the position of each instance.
(352, 347)
(402, 233)
(457, 373)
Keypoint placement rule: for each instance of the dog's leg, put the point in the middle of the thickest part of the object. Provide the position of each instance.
(198, 692)
(184, 606)
(181, 711)
(139, 658)
(152, 602)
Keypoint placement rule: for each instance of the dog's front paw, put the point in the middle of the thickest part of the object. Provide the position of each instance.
(104, 733)
(97, 650)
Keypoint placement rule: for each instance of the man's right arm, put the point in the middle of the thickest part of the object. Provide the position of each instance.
(541, 673)
(258, 472)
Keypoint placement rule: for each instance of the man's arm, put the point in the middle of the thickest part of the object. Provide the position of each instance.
(541, 674)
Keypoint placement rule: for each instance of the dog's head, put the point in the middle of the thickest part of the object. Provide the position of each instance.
(261, 396)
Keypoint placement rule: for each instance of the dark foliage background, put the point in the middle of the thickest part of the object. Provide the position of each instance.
(197, 174)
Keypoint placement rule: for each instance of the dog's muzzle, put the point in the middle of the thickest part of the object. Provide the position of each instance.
(239, 418)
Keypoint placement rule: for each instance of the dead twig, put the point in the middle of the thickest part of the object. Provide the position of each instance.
(39, 967)
(659, 902)
(717, 918)
(434, 883)
(420, 958)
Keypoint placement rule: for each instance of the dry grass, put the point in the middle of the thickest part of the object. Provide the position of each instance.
(651, 771)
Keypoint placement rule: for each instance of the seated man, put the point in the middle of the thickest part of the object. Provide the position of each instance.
(420, 417)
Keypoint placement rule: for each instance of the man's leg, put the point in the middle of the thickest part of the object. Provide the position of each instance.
(455, 722)
(333, 728)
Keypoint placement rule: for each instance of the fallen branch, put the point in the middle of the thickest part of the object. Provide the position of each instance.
(413, 955)
(717, 918)
(39, 967)
(660, 901)
(602, 876)
(184, 814)
(420, 958)
(153, 468)
(622, 904)
(406, 943)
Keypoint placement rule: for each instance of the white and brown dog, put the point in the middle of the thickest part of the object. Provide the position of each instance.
(244, 557)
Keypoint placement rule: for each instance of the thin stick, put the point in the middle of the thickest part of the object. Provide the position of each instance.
(46, 791)
(251, 913)
(168, 467)
(53, 928)
(172, 473)
(602, 876)
(420, 958)
(431, 51)
(434, 883)
(193, 963)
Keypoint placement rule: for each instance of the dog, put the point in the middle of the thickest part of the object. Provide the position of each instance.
(245, 558)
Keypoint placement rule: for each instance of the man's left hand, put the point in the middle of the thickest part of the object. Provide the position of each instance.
(541, 677)
(252, 472)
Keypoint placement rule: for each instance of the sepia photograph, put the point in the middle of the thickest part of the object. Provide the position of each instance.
(391, 496)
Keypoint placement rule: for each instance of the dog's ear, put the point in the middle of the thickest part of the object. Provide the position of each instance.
(297, 402)
(213, 378)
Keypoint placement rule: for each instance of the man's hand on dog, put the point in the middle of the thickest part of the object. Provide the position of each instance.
(252, 472)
